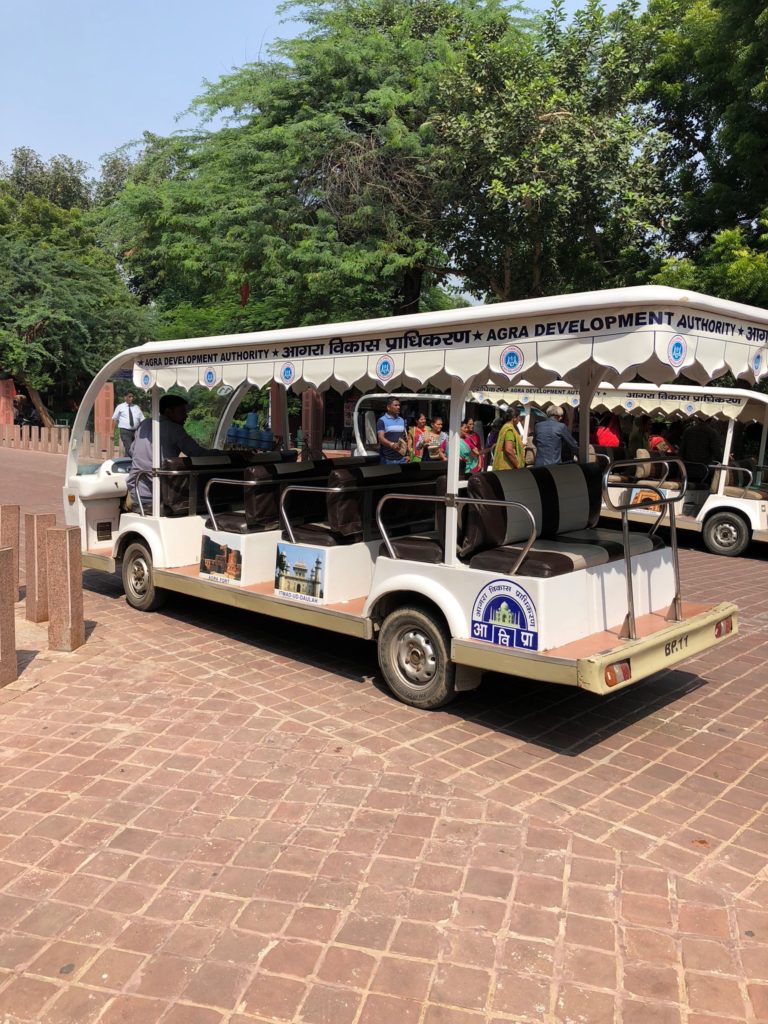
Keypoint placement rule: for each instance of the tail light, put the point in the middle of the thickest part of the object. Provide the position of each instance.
(618, 672)
(723, 627)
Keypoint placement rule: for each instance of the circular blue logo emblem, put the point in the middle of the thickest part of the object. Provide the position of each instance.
(287, 373)
(385, 367)
(690, 408)
(209, 377)
(757, 362)
(677, 350)
(146, 380)
(630, 404)
(512, 360)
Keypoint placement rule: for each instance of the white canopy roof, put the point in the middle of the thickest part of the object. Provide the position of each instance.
(654, 332)
(631, 399)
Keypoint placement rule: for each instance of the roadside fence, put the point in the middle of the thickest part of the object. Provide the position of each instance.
(56, 441)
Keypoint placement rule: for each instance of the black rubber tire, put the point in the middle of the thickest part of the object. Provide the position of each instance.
(726, 533)
(138, 584)
(414, 657)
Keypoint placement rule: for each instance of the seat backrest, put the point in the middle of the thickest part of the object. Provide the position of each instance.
(262, 503)
(561, 498)
(613, 454)
(352, 512)
(175, 490)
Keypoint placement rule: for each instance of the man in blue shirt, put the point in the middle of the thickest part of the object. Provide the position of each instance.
(550, 435)
(390, 433)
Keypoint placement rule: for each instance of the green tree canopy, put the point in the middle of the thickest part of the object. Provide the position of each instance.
(64, 308)
(709, 85)
(557, 156)
(321, 197)
(734, 266)
(393, 146)
(61, 180)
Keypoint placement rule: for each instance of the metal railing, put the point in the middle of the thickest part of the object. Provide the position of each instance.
(454, 500)
(343, 489)
(303, 487)
(719, 467)
(661, 502)
(228, 482)
(193, 474)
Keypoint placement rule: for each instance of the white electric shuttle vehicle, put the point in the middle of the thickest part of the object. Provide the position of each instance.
(725, 501)
(505, 571)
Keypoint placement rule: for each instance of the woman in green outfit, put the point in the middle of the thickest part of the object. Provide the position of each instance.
(509, 452)
(469, 454)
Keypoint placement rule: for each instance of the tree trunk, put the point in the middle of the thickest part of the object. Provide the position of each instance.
(409, 295)
(536, 270)
(34, 396)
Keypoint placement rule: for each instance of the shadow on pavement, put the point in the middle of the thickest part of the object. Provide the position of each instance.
(561, 719)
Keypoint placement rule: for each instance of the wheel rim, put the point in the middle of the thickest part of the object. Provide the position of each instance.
(137, 579)
(416, 656)
(726, 534)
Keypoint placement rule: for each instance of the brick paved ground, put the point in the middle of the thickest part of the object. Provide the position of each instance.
(207, 818)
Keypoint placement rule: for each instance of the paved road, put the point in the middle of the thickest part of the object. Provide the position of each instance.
(209, 817)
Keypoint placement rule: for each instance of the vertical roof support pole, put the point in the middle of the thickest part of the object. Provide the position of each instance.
(458, 394)
(761, 453)
(723, 476)
(155, 450)
(588, 384)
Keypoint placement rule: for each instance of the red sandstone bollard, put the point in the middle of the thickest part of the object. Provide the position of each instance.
(35, 528)
(66, 627)
(9, 670)
(9, 538)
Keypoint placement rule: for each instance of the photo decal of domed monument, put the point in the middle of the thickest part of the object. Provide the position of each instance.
(300, 572)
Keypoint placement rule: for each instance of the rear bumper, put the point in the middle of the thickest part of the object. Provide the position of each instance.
(661, 650)
(656, 652)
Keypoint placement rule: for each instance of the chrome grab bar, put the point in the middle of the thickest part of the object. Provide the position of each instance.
(649, 482)
(675, 613)
(334, 490)
(719, 467)
(150, 474)
(144, 472)
(455, 500)
(303, 487)
(230, 483)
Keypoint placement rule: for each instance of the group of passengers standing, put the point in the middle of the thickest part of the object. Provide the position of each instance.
(503, 449)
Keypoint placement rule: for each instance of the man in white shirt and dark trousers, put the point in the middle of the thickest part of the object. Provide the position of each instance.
(128, 416)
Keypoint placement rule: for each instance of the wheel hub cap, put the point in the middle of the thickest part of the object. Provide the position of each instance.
(726, 534)
(139, 576)
(416, 657)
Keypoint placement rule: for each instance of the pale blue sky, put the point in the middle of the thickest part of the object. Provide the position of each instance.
(83, 77)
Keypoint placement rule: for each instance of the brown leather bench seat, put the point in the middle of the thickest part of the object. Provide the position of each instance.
(195, 472)
(261, 503)
(351, 514)
(565, 503)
